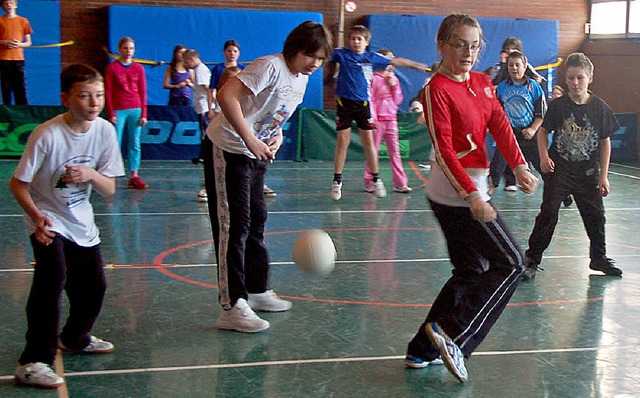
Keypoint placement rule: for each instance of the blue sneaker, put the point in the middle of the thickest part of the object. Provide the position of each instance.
(417, 363)
(449, 351)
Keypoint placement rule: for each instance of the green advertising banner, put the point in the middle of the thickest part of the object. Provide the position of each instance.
(317, 137)
(17, 123)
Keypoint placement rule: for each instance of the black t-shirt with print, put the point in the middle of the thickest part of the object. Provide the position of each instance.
(578, 130)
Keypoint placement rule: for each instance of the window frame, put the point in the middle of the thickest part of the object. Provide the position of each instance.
(635, 36)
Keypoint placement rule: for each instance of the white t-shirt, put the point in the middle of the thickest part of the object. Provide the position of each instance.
(51, 147)
(202, 77)
(277, 92)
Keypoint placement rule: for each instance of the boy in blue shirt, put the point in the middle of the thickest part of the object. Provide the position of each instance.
(352, 91)
(525, 104)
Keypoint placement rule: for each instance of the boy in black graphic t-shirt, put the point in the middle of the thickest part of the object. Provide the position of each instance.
(577, 163)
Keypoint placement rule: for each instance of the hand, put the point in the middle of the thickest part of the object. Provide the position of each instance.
(142, 121)
(77, 174)
(603, 186)
(113, 120)
(13, 43)
(259, 149)
(274, 144)
(527, 182)
(43, 235)
(483, 211)
(528, 133)
(547, 165)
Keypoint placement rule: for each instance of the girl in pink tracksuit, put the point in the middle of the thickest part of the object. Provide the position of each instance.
(386, 95)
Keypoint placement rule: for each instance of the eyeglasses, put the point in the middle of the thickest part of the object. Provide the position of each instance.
(463, 47)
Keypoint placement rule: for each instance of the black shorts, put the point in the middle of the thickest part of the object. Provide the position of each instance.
(350, 110)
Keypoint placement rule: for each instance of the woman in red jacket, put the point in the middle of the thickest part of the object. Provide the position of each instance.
(459, 106)
(125, 86)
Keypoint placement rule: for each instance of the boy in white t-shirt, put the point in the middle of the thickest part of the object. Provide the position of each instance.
(240, 142)
(202, 102)
(65, 159)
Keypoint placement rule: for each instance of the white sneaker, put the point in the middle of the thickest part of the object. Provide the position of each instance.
(268, 192)
(268, 302)
(402, 189)
(369, 188)
(511, 188)
(38, 375)
(381, 191)
(336, 190)
(241, 318)
(95, 346)
(202, 194)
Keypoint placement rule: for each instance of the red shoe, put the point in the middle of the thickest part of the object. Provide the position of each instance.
(137, 183)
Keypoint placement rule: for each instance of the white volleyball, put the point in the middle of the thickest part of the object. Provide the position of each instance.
(314, 252)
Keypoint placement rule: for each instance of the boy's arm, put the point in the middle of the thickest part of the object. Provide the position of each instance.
(229, 100)
(605, 157)
(332, 68)
(14, 43)
(546, 164)
(20, 190)
(407, 63)
(529, 132)
(210, 101)
(26, 42)
(105, 186)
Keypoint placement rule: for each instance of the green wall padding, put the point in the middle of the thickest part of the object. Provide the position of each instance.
(317, 131)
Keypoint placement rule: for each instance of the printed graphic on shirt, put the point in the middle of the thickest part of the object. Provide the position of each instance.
(577, 143)
(71, 195)
(519, 109)
(288, 93)
(269, 126)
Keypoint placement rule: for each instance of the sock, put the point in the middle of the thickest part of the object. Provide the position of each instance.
(337, 177)
(134, 173)
(375, 177)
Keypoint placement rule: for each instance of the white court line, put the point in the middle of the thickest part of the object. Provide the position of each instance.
(371, 261)
(624, 175)
(317, 361)
(304, 212)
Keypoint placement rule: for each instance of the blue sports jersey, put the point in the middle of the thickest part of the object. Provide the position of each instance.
(216, 72)
(356, 72)
(521, 102)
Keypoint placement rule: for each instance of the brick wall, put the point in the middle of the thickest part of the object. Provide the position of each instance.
(86, 21)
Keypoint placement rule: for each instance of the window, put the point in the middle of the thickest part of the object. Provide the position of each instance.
(614, 19)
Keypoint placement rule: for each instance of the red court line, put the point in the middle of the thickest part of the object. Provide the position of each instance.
(163, 268)
(418, 173)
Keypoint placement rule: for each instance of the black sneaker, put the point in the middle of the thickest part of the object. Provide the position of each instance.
(606, 265)
(530, 270)
(567, 201)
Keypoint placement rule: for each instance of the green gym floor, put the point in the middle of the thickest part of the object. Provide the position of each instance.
(568, 333)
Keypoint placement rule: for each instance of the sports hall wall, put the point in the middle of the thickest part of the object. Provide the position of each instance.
(42, 65)
(86, 21)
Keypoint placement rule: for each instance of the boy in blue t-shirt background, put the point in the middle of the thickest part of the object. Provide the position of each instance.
(525, 104)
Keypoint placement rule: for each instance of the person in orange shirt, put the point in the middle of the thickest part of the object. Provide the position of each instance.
(15, 34)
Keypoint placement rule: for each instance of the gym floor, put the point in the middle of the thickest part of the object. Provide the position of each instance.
(568, 333)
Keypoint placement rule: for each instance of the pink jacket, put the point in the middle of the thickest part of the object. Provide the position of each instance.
(125, 88)
(385, 97)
